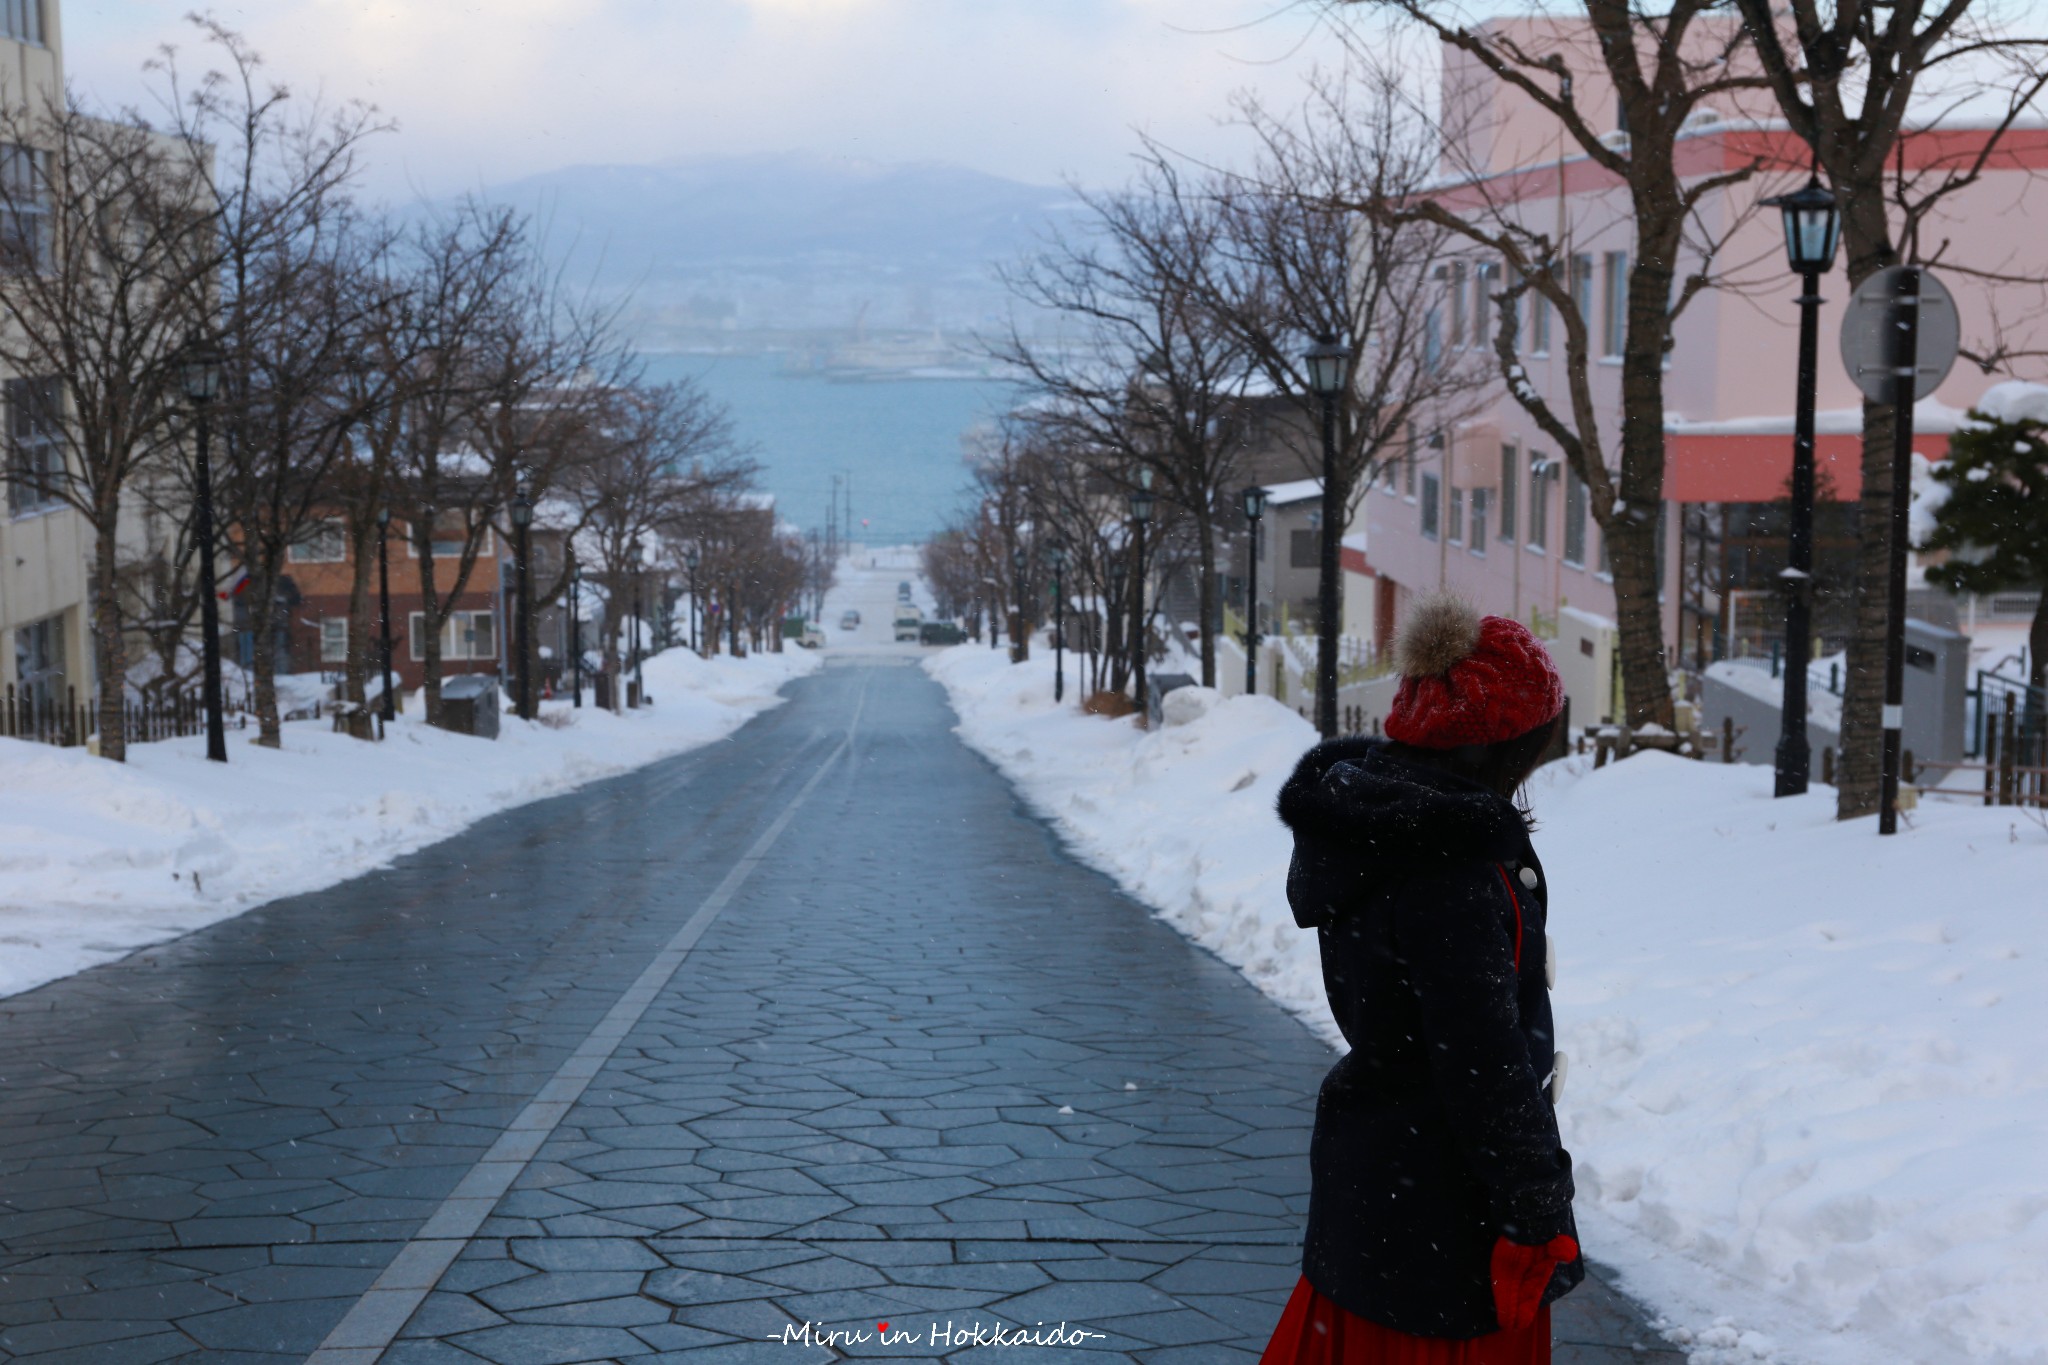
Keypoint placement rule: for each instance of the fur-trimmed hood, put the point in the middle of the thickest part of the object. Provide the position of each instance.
(1354, 800)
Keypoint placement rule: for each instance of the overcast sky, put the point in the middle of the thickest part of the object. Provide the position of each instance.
(488, 90)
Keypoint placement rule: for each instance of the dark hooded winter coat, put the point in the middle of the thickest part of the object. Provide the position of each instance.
(1436, 1134)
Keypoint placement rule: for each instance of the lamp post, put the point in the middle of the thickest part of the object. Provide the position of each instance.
(692, 559)
(199, 376)
(1327, 362)
(389, 705)
(1254, 508)
(1812, 223)
(1142, 501)
(1020, 646)
(1056, 555)
(576, 626)
(1113, 617)
(639, 601)
(522, 522)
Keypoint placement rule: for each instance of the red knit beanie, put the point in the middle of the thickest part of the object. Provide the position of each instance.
(1467, 679)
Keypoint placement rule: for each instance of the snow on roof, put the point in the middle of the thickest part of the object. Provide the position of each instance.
(1293, 491)
(1929, 415)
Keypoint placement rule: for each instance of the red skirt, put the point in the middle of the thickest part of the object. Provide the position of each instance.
(1315, 1331)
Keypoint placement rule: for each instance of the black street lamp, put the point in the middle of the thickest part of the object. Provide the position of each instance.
(389, 704)
(576, 625)
(522, 523)
(199, 376)
(1056, 555)
(1142, 502)
(639, 596)
(1020, 622)
(692, 559)
(1327, 362)
(1254, 508)
(1812, 224)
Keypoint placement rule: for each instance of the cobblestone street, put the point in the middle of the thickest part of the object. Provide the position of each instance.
(813, 1026)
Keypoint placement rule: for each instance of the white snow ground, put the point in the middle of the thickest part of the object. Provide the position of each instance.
(98, 859)
(1807, 1091)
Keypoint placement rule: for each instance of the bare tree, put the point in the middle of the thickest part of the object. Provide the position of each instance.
(1297, 265)
(106, 246)
(286, 305)
(1847, 84)
(1148, 374)
(1663, 68)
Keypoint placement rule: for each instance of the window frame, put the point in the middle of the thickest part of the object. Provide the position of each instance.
(1582, 287)
(1510, 486)
(1538, 541)
(1480, 510)
(1614, 269)
(1454, 517)
(333, 531)
(27, 221)
(1575, 506)
(36, 457)
(1432, 505)
(333, 651)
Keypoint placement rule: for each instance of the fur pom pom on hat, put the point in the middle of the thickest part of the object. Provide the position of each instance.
(1469, 679)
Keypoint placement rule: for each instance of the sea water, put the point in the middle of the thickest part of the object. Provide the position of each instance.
(901, 442)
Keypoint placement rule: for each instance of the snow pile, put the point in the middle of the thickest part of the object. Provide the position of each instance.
(1807, 1088)
(98, 858)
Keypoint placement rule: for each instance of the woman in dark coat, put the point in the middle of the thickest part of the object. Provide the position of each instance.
(1440, 1223)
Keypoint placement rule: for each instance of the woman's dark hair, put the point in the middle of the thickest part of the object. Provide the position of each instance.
(1502, 766)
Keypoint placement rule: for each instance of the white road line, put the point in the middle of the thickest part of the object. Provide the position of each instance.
(375, 1319)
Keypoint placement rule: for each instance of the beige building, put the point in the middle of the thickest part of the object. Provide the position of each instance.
(45, 546)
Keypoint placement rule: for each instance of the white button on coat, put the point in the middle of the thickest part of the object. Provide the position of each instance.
(1549, 962)
(1558, 1062)
(1529, 877)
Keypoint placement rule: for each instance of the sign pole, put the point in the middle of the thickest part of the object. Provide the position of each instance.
(1906, 373)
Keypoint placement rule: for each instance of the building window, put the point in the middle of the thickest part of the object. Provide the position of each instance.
(1539, 501)
(1457, 516)
(465, 635)
(1457, 292)
(1574, 518)
(323, 542)
(23, 20)
(1614, 319)
(1432, 504)
(35, 444)
(1409, 460)
(1479, 511)
(1510, 480)
(1304, 549)
(451, 537)
(1432, 340)
(39, 662)
(1582, 290)
(1485, 279)
(24, 210)
(333, 639)
(1539, 324)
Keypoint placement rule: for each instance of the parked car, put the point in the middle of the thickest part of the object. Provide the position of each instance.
(849, 619)
(940, 633)
(903, 591)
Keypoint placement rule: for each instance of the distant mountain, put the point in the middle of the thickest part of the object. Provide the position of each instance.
(791, 241)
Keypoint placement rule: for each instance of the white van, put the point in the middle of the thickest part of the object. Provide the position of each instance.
(908, 619)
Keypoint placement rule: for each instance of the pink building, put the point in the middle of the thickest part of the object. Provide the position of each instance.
(1486, 509)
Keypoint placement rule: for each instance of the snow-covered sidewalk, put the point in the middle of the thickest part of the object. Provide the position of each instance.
(1807, 1088)
(98, 859)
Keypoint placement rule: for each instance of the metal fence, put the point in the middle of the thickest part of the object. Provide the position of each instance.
(69, 722)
